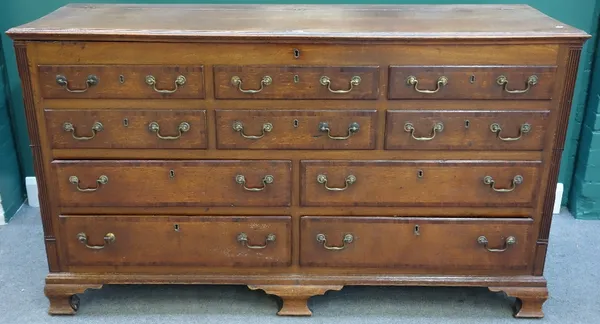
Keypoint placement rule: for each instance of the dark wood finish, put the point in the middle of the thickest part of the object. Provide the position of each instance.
(450, 244)
(173, 183)
(127, 129)
(211, 43)
(179, 240)
(296, 129)
(295, 82)
(471, 82)
(465, 130)
(418, 183)
(111, 85)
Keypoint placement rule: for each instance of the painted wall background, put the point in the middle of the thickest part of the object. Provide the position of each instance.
(578, 13)
(11, 180)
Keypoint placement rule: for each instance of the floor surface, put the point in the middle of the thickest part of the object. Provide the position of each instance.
(572, 270)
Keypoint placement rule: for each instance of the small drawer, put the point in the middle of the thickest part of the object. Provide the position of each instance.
(471, 82)
(177, 240)
(121, 81)
(296, 129)
(465, 130)
(115, 129)
(295, 82)
(223, 183)
(413, 244)
(419, 183)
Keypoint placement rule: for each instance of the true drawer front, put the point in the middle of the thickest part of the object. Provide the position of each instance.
(444, 244)
(295, 82)
(113, 128)
(121, 81)
(471, 82)
(296, 129)
(466, 130)
(177, 240)
(419, 183)
(173, 183)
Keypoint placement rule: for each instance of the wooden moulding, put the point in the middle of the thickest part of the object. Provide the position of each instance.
(295, 290)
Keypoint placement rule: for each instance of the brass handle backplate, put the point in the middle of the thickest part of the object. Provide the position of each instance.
(326, 81)
(524, 129)
(517, 180)
(102, 180)
(179, 81)
(437, 128)
(97, 127)
(155, 128)
(243, 239)
(268, 179)
(413, 81)
(348, 238)
(91, 80)
(237, 81)
(352, 129)
(109, 238)
(322, 179)
(238, 126)
(482, 240)
(531, 81)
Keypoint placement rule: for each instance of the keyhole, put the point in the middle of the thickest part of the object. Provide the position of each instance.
(467, 123)
(176, 227)
(171, 174)
(419, 173)
(296, 53)
(472, 78)
(125, 122)
(296, 78)
(296, 123)
(121, 78)
(417, 230)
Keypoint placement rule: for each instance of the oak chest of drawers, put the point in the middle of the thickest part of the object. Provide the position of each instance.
(297, 149)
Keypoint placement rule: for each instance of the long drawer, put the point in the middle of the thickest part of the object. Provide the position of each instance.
(415, 243)
(419, 183)
(177, 240)
(229, 183)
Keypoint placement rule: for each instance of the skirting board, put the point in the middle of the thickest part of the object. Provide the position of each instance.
(2, 219)
(32, 196)
(32, 192)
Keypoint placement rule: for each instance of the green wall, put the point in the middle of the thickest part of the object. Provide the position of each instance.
(578, 13)
(11, 181)
(584, 198)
